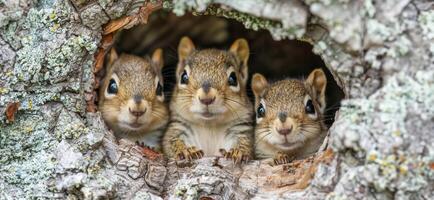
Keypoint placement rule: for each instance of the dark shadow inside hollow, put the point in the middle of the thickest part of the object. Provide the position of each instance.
(274, 59)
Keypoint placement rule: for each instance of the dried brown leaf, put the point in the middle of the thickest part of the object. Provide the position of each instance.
(146, 10)
(99, 60)
(129, 21)
(11, 109)
(107, 41)
(116, 24)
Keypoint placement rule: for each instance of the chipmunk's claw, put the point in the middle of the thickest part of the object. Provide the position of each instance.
(142, 144)
(282, 158)
(189, 153)
(236, 154)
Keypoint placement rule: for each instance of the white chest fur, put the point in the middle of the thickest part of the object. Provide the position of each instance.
(210, 139)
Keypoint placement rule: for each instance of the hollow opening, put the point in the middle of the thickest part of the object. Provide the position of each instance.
(276, 60)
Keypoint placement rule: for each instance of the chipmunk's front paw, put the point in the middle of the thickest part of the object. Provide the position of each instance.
(149, 152)
(189, 153)
(236, 154)
(282, 158)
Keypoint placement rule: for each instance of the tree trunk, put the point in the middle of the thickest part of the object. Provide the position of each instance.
(54, 144)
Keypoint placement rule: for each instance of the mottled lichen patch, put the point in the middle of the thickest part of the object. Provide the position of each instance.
(45, 67)
(27, 156)
(383, 138)
(291, 24)
(255, 23)
(49, 63)
(396, 154)
(94, 17)
(426, 22)
(344, 21)
(69, 126)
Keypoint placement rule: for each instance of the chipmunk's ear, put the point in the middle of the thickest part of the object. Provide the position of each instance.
(157, 59)
(241, 49)
(259, 84)
(185, 48)
(316, 83)
(112, 57)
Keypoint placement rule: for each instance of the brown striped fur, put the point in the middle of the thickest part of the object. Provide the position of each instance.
(285, 109)
(136, 77)
(197, 129)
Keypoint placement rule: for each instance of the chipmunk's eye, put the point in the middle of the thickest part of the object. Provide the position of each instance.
(112, 87)
(309, 108)
(260, 111)
(232, 80)
(184, 77)
(159, 91)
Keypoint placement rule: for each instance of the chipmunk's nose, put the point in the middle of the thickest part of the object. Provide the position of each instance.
(285, 131)
(285, 124)
(282, 116)
(207, 94)
(137, 99)
(206, 87)
(137, 113)
(207, 101)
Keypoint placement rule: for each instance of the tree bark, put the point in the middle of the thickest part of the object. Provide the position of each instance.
(52, 144)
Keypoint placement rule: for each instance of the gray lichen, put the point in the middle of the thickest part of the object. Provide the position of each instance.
(395, 155)
(27, 156)
(94, 17)
(284, 20)
(204, 180)
(382, 137)
(45, 68)
(255, 23)
(426, 22)
(49, 54)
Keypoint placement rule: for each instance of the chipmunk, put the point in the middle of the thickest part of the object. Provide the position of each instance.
(210, 110)
(289, 117)
(131, 98)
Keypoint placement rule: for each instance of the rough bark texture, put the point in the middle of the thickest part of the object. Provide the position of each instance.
(382, 141)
